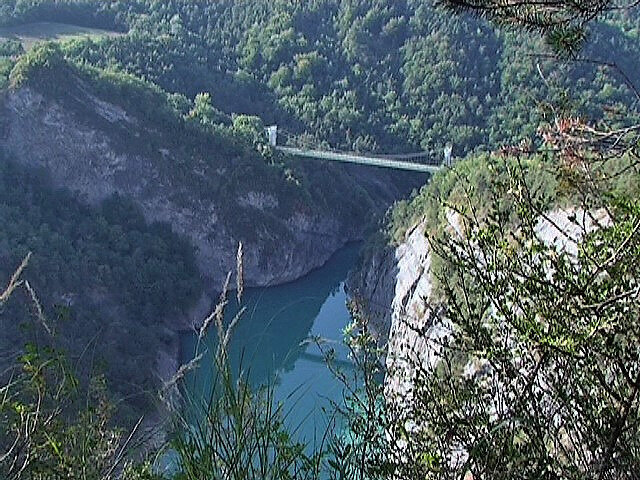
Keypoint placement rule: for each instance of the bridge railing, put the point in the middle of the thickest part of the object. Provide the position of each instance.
(284, 139)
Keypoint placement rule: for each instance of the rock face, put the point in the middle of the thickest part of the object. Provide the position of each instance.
(397, 300)
(285, 242)
(394, 286)
(372, 286)
(393, 282)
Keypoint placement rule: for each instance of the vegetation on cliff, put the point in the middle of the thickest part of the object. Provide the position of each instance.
(106, 278)
(526, 360)
(526, 357)
(198, 137)
(538, 374)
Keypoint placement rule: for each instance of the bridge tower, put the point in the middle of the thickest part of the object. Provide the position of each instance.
(272, 134)
(448, 150)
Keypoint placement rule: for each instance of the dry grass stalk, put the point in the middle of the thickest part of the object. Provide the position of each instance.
(240, 273)
(14, 282)
(217, 315)
(222, 303)
(224, 340)
(182, 371)
(38, 307)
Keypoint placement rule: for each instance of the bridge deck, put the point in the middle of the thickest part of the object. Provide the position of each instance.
(360, 159)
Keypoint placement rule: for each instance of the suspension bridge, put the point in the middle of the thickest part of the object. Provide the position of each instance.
(397, 162)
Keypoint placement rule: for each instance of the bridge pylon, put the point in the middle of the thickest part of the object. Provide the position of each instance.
(272, 135)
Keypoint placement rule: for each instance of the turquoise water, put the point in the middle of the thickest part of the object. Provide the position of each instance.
(271, 342)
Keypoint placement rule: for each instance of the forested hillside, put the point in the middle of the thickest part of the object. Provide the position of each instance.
(106, 280)
(362, 75)
(183, 96)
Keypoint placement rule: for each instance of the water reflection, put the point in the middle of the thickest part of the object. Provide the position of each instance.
(270, 341)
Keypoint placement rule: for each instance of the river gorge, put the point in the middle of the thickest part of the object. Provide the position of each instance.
(275, 342)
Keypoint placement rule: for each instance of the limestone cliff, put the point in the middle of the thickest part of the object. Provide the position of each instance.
(394, 286)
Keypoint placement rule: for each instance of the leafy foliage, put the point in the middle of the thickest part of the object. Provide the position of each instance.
(49, 429)
(564, 23)
(526, 362)
(10, 47)
(359, 75)
(548, 383)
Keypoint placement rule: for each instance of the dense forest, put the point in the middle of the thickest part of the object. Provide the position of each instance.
(356, 75)
(98, 272)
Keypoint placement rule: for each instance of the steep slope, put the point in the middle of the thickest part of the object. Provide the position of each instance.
(104, 133)
(397, 283)
(399, 301)
(128, 203)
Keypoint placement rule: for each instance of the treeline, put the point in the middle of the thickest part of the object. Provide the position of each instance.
(87, 13)
(361, 74)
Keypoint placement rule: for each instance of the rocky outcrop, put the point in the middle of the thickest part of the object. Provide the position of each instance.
(372, 285)
(398, 302)
(95, 153)
(394, 286)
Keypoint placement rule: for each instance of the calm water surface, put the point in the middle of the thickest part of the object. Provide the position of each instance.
(271, 342)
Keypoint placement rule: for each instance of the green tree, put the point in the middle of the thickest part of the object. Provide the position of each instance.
(539, 375)
(251, 129)
(204, 112)
(527, 363)
(564, 22)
